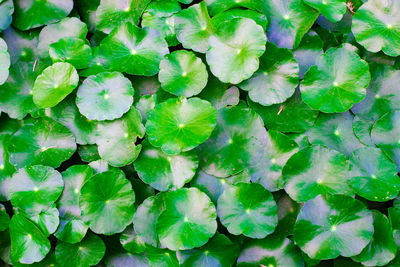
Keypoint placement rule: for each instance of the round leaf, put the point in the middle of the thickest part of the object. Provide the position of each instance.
(259, 18)
(105, 96)
(276, 79)
(237, 140)
(73, 51)
(35, 188)
(336, 82)
(109, 210)
(164, 172)
(28, 243)
(233, 52)
(333, 225)
(182, 73)
(47, 220)
(376, 26)
(315, 170)
(188, 221)
(333, 10)
(193, 27)
(116, 139)
(271, 251)
(385, 134)
(372, 175)
(43, 141)
(134, 50)
(5, 61)
(32, 13)
(190, 123)
(248, 209)
(88, 252)
(54, 84)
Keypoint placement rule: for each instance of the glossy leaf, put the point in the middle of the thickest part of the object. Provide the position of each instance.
(333, 10)
(5, 61)
(73, 51)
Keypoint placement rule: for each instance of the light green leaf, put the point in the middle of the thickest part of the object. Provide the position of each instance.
(72, 50)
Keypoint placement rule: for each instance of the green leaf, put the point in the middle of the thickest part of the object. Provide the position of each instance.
(134, 50)
(316, 170)
(88, 252)
(361, 129)
(67, 27)
(276, 79)
(385, 134)
(182, 73)
(161, 257)
(16, 93)
(123, 259)
(116, 139)
(131, 241)
(336, 132)
(5, 61)
(54, 84)
(268, 171)
(193, 27)
(146, 216)
(372, 175)
(6, 168)
(105, 96)
(4, 218)
(382, 248)
(259, 18)
(43, 141)
(6, 11)
(112, 13)
(336, 82)
(190, 122)
(237, 140)
(233, 52)
(35, 188)
(218, 6)
(28, 243)
(376, 26)
(382, 93)
(219, 251)
(288, 20)
(219, 95)
(71, 50)
(164, 172)
(188, 221)
(72, 229)
(88, 153)
(109, 210)
(271, 251)
(66, 112)
(308, 51)
(255, 216)
(292, 116)
(333, 10)
(333, 225)
(32, 14)
(47, 220)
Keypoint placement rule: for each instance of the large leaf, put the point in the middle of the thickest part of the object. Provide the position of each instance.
(385, 134)
(164, 172)
(28, 243)
(105, 96)
(32, 13)
(271, 251)
(372, 175)
(182, 73)
(336, 82)
(276, 79)
(193, 27)
(315, 170)
(237, 140)
(233, 52)
(376, 26)
(180, 124)
(54, 84)
(35, 188)
(188, 221)
(43, 141)
(116, 139)
(288, 20)
(88, 252)
(255, 216)
(109, 210)
(333, 225)
(268, 171)
(133, 50)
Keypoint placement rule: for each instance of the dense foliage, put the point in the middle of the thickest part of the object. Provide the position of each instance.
(199, 133)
